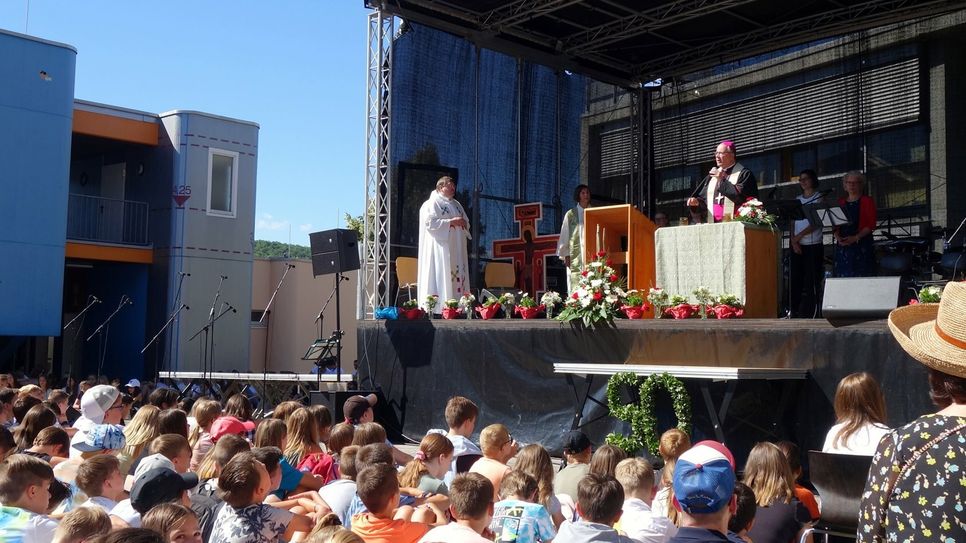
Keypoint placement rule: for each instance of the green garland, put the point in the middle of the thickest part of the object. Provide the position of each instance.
(642, 417)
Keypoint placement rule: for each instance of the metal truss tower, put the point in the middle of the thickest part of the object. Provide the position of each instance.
(374, 286)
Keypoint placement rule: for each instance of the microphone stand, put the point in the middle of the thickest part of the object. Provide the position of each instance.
(210, 329)
(103, 330)
(91, 300)
(224, 309)
(268, 326)
(337, 334)
(174, 314)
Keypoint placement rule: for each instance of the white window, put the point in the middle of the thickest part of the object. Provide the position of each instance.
(222, 182)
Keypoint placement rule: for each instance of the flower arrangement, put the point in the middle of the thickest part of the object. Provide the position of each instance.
(753, 211)
(528, 308)
(634, 305)
(727, 306)
(466, 303)
(451, 309)
(410, 304)
(660, 299)
(452, 303)
(507, 301)
(930, 295)
(705, 299)
(490, 301)
(431, 302)
(549, 301)
(411, 310)
(596, 297)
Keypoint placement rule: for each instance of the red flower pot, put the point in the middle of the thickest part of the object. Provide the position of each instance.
(681, 311)
(529, 312)
(452, 313)
(727, 312)
(634, 312)
(412, 314)
(487, 312)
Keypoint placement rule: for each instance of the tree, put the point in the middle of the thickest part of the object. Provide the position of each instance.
(276, 249)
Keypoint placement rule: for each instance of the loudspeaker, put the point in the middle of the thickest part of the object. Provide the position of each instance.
(334, 251)
(860, 297)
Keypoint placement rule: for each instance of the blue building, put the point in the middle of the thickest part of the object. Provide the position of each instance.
(144, 212)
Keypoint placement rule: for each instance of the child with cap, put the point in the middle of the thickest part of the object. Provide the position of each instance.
(155, 486)
(228, 424)
(599, 501)
(101, 404)
(577, 451)
(471, 506)
(704, 484)
(358, 410)
(24, 495)
(636, 477)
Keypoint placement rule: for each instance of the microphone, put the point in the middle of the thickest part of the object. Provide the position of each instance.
(291, 265)
(95, 299)
(185, 306)
(183, 274)
(224, 277)
(127, 300)
(233, 310)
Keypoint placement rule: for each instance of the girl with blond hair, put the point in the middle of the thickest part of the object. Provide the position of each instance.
(430, 463)
(138, 434)
(535, 461)
(204, 412)
(860, 416)
(780, 516)
(672, 444)
(303, 450)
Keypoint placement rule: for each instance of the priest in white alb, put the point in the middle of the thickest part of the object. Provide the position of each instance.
(443, 232)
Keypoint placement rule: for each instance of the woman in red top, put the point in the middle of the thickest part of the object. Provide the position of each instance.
(854, 255)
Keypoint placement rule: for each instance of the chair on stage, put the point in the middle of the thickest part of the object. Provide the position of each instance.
(406, 275)
(840, 480)
(499, 277)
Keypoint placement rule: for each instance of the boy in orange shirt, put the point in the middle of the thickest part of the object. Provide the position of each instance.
(378, 488)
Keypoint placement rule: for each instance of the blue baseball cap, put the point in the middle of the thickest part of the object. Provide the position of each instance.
(101, 437)
(704, 478)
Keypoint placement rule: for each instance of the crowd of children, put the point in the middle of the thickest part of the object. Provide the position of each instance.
(116, 465)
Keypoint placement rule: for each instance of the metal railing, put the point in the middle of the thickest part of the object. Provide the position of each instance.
(93, 218)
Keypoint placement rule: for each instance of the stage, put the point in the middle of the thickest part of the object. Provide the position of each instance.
(507, 368)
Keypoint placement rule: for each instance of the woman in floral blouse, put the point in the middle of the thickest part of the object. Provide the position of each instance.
(917, 484)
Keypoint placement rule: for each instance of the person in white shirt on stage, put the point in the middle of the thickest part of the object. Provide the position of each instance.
(443, 267)
(571, 245)
(724, 189)
(808, 254)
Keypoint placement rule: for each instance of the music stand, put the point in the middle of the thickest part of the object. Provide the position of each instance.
(788, 211)
(821, 215)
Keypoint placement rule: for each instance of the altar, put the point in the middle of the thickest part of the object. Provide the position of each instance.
(728, 258)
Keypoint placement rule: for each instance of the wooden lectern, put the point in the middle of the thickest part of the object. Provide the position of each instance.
(628, 238)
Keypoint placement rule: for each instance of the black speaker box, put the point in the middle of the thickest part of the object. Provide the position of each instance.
(383, 412)
(334, 251)
(860, 297)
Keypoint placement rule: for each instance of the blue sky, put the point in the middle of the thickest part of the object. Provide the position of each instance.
(297, 68)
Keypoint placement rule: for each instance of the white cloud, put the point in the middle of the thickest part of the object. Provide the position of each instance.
(268, 222)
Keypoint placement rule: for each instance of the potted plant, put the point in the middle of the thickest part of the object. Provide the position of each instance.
(528, 308)
(728, 306)
(411, 311)
(489, 308)
(451, 309)
(507, 300)
(549, 300)
(634, 305)
(466, 303)
(431, 302)
(595, 300)
(680, 308)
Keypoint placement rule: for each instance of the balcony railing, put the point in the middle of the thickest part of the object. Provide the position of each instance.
(93, 218)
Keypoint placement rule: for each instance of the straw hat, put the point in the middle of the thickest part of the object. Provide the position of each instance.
(935, 334)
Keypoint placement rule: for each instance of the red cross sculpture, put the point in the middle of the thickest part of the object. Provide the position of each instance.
(529, 251)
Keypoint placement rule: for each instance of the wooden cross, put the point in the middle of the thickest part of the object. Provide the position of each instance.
(529, 251)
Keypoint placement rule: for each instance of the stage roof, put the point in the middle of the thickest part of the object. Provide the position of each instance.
(629, 42)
